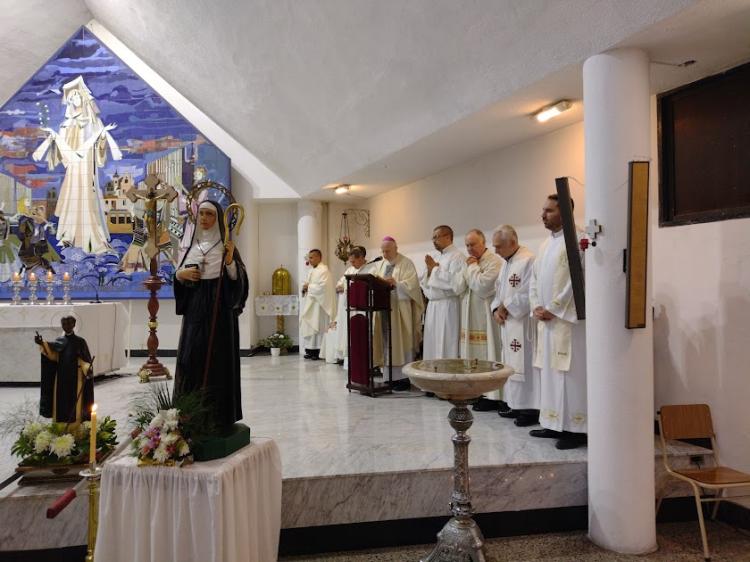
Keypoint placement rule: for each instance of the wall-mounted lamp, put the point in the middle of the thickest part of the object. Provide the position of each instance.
(547, 113)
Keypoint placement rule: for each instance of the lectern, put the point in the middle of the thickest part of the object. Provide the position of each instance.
(367, 295)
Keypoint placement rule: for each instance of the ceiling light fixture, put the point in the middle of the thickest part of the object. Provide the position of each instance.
(342, 189)
(547, 113)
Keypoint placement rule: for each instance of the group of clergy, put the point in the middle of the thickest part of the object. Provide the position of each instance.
(507, 305)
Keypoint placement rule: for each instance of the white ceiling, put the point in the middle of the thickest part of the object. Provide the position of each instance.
(31, 31)
(320, 89)
(380, 93)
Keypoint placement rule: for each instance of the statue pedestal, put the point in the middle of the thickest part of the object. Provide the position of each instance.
(220, 446)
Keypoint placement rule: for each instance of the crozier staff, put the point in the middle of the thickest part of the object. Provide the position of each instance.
(210, 291)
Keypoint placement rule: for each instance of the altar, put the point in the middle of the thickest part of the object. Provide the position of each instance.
(104, 326)
(224, 510)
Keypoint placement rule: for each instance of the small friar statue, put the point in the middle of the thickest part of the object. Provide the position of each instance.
(67, 392)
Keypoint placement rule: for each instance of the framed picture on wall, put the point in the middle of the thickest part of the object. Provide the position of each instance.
(704, 150)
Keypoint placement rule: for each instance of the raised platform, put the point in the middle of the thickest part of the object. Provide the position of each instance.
(346, 458)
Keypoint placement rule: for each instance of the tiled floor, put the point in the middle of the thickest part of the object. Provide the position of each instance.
(677, 542)
(322, 429)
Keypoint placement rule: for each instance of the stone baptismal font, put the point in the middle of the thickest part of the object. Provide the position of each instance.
(460, 381)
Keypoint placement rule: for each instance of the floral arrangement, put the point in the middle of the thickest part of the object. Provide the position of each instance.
(48, 444)
(278, 339)
(165, 426)
(162, 440)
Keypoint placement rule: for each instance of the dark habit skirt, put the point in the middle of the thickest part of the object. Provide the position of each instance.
(223, 382)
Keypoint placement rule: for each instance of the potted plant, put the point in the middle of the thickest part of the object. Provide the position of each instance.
(276, 342)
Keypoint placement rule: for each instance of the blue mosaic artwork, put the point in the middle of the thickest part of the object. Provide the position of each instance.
(76, 142)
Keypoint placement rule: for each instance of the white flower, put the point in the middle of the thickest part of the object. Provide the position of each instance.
(62, 445)
(86, 427)
(170, 438)
(171, 419)
(161, 454)
(157, 420)
(32, 429)
(42, 441)
(184, 449)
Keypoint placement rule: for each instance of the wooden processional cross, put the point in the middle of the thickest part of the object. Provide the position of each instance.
(154, 192)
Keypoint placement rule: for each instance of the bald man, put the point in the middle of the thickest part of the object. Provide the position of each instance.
(443, 316)
(407, 306)
(510, 309)
(480, 335)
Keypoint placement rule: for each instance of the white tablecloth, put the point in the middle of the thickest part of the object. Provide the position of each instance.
(102, 325)
(227, 510)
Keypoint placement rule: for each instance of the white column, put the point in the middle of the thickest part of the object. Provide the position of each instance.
(309, 236)
(619, 361)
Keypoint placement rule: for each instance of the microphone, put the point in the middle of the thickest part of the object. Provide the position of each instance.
(379, 258)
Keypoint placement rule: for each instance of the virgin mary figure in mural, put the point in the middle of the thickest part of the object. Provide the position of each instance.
(81, 147)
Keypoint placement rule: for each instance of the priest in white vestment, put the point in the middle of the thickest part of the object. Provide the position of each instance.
(407, 306)
(443, 316)
(357, 265)
(318, 304)
(560, 352)
(510, 309)
(480, 335)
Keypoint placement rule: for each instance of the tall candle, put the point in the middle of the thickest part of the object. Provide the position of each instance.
(66, 276)
(16, 277)
(32, 277)
(92, 438)
(49, 277)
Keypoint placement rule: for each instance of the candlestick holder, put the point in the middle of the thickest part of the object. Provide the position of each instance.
(17, 284)
(32, 291)
(50, 286)
(92, 475)
(66, 291)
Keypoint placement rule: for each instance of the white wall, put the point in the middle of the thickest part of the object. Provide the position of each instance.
(701, 273)
(506, 186)
(356, 234)
(701, 278)
(277, 246)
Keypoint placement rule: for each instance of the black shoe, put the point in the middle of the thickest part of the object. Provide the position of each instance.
(485, 405)
(569, 442)
(503, 406)
(401, 385)
(511, 414)
(314, 354)
(339, 361)
(524, 420)
(545, 433)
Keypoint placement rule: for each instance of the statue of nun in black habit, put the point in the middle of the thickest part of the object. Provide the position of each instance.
(210, 291)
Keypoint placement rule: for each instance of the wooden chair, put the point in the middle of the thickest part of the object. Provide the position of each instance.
(693, 421)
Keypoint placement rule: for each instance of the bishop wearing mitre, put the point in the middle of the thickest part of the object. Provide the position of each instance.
(407, 306)
(318, 304)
